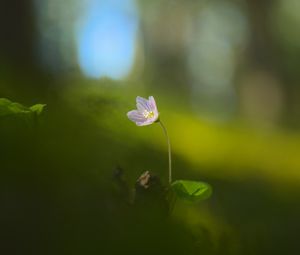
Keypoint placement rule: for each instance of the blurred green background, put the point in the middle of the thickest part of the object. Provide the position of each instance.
(225, 76)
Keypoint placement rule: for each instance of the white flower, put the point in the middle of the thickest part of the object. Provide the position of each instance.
(146, 112)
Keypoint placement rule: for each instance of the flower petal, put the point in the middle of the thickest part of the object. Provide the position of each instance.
(142, 104)
(152, 105)
(136, 116)
(145, 123)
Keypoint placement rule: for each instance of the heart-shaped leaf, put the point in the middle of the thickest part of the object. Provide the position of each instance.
(191, 190)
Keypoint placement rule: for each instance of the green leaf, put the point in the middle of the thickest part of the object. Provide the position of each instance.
(37, 108)
(191, 190)
(8, 107)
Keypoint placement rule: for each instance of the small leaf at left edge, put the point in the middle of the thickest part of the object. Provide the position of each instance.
(191, 190)
(37, 108)
(8, 107)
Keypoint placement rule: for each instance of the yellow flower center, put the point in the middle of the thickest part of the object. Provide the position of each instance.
(148, 115)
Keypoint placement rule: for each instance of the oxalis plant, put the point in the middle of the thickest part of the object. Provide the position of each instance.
(147, 114)
(9, 108)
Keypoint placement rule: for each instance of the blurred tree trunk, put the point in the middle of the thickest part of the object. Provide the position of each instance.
(20, 75)
(165, 44)
(268, 55)
(262, 50)
(16, 37)
(261, 88)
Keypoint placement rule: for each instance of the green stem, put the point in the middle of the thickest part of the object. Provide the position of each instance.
(169, 150)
